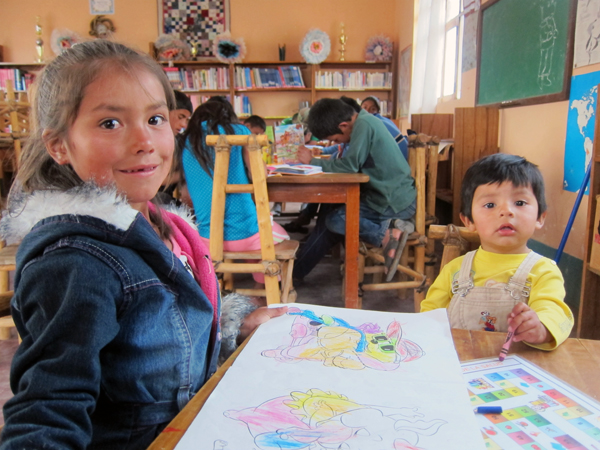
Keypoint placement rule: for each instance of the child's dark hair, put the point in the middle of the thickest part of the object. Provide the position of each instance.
(351, 102)
(326, 115)
(256, 121)
(371, 99)
(215, 113)
(183, 101)
(496, 169)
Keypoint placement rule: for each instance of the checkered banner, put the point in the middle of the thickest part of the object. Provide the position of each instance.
(194, 21)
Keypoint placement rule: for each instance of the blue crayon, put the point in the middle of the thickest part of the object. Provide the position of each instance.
(488, 410)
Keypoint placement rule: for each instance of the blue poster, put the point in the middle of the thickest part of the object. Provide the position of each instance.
(580, 129)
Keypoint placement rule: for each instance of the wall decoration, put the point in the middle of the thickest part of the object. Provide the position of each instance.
(102, 27)
(587, 33)
(62, 39)
(469, 50)
(102, 7)
(169, 48)
(193, 22)
(229, 50)
(379, 48)
(404, 75)
(580, 129)
(315, 46)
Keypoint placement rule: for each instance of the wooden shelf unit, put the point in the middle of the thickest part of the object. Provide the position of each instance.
(588, 324)
(280, 102)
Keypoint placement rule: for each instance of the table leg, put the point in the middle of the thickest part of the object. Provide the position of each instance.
(351, 266)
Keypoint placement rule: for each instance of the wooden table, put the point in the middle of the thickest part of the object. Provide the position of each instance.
(576, 361)
(329, 188)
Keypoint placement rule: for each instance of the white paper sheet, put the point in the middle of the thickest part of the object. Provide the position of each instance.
(333, 378)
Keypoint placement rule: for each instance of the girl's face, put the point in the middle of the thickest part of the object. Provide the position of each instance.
(121, 135)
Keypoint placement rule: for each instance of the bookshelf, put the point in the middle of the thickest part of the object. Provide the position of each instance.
(589, 305)
(20, 74)
(204, 78)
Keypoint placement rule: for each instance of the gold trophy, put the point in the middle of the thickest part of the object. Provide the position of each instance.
(194, 51)
(343, 40)
(39, 43)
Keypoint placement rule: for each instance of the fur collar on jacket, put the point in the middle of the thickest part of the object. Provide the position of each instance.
(105, 203)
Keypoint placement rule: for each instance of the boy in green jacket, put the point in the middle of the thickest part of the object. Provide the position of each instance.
(389, 194)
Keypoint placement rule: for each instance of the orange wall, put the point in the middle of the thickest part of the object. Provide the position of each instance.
(538, 133)
(262, 23)
(135, 21)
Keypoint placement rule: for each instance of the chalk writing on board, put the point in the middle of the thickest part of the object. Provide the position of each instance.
(548, 32)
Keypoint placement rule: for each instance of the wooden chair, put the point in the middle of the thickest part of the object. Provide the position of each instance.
(456, 240)
(275, 260)
(14, 116)
(412, 262)
(7, 264)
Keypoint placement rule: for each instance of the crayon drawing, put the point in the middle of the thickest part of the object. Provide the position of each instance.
(325, 420)
(336, 343)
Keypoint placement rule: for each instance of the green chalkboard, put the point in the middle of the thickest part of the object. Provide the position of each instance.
(525, 51)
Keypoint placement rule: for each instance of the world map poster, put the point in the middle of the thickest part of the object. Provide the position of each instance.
(580, 129)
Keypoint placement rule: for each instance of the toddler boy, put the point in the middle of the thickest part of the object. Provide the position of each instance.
(504, 286)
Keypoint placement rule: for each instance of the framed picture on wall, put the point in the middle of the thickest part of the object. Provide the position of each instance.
(194, 22)
(404, 74)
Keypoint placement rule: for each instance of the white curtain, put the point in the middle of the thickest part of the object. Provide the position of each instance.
(428, 56)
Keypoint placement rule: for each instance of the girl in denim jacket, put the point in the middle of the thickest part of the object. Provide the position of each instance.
(115, 298)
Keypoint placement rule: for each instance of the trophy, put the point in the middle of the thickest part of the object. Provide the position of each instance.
(39, 43)
(194, 51)
(343, 40)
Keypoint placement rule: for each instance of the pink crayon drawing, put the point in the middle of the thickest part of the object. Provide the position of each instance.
(318, 419)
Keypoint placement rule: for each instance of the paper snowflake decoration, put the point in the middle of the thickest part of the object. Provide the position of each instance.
(379, 48)
(315, 47)
(63, 39)
(229, 50)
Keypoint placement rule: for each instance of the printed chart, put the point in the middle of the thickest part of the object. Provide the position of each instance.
(540, 412)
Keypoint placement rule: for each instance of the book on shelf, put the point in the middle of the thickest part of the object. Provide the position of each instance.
(352, 79)
(21, 80)
(242, 106)
(212, 78)
(294, 169)
(288, 138)
(268, 77)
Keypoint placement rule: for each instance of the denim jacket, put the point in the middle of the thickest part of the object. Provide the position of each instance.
(116, 333)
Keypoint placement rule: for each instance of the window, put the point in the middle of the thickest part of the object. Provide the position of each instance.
(438, 41)
(452, 45)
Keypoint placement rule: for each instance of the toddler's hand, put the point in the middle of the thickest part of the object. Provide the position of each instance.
(257, 317)
(526, 325)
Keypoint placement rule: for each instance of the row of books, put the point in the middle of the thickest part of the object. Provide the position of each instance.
(266, 77)
(242, 106)
(346, 79)
(241, 103)
(213, 78)
(21, 80)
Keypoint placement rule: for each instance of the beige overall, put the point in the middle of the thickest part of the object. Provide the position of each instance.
(487, 308)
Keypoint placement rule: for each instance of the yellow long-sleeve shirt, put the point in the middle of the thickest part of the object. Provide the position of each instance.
(546, 297)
